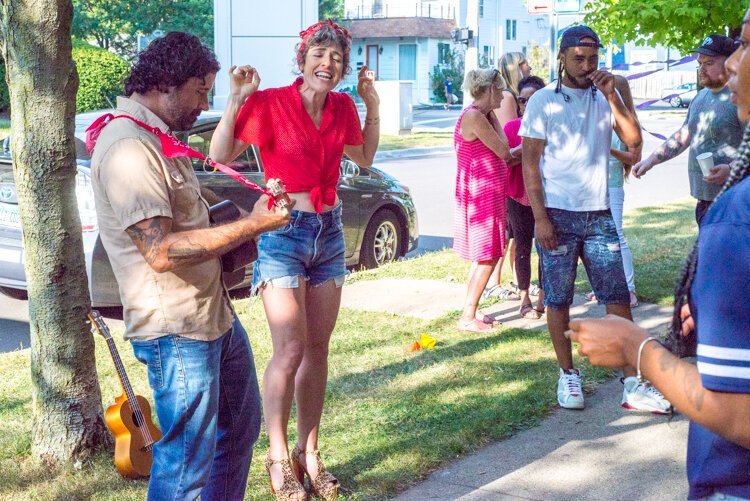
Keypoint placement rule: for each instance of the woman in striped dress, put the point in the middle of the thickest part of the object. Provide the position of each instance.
(481, 150)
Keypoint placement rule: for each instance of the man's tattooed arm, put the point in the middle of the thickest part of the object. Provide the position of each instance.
(148, 235)
(165, 250)
(676, 144)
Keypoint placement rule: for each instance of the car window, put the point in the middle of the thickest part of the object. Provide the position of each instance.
(201, 141)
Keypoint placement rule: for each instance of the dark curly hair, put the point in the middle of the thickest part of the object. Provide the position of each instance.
(170, 61)
(531, 81)
(325, 34)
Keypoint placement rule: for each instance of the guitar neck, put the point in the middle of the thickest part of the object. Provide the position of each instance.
(121, 374)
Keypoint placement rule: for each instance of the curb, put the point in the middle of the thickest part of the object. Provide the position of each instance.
(383, 156)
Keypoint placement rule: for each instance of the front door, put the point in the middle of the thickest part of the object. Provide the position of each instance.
(372, 59)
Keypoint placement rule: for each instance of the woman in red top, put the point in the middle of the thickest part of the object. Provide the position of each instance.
(301, 132)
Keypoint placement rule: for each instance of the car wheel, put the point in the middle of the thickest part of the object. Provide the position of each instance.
(675, 102)
(15, 293)
(382, 240)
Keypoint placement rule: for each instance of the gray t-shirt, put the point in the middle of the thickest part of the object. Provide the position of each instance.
(714, 126)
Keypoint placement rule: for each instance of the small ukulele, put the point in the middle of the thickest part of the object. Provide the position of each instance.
(129, 418)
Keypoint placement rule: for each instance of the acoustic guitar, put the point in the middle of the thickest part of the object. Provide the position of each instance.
(129, 418)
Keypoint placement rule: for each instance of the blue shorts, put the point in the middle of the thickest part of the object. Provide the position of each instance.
(591, 236)
(311, 246)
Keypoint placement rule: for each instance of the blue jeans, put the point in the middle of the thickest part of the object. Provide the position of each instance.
(207, 399)
(592, 237)
(311, 246)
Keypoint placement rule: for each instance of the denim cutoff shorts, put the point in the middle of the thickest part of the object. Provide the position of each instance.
(311, 246)
(591, 236)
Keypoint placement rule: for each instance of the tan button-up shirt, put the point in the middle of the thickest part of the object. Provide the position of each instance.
(133, 181)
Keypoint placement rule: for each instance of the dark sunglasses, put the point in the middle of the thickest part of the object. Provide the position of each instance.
(523, 100)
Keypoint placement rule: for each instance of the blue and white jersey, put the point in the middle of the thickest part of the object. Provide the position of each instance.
(721, 309)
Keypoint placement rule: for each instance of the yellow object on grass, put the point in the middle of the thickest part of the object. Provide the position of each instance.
(427, 341)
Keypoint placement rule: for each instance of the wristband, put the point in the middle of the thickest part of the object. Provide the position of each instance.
(638, 374)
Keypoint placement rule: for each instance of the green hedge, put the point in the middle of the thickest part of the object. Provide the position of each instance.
(4, 94)
(100, 74)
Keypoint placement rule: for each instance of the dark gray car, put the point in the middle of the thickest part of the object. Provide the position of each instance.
(380, 220)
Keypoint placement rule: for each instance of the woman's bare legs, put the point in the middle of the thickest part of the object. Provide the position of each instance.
(310, 385)
(479, 274)
(287, 319)
(495, 277)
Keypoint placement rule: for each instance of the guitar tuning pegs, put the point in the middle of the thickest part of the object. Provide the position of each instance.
(278, 192)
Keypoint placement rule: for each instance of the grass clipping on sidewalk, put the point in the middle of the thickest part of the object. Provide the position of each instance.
(390, 418)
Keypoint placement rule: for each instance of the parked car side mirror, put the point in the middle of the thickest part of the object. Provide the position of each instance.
(349, 169)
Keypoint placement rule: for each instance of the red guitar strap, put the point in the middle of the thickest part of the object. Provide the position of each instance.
(172, 147)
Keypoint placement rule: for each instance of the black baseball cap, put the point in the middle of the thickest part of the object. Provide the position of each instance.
(573, 36)
(717, 45)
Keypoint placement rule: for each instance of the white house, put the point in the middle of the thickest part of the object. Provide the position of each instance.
(506, 26)
(405, 49)
(400, 40)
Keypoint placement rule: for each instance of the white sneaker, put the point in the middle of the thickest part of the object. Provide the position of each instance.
(643, 397)
(569, 393)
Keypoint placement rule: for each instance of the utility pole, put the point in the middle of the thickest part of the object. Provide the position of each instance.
(471, 58)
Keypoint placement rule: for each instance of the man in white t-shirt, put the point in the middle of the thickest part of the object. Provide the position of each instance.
(567, 131)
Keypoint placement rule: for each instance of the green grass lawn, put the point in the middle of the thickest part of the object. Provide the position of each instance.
(391, 416)
(415, 140)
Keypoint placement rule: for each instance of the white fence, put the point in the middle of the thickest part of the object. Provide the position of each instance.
(651, 86)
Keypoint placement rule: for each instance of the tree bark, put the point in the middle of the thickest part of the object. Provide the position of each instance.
(68, 422)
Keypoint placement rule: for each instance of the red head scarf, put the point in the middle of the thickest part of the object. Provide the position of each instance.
(307, 35)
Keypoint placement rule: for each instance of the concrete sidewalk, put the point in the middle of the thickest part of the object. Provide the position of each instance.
(603, 452)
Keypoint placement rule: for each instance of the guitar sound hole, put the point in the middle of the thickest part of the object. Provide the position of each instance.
(138, 420)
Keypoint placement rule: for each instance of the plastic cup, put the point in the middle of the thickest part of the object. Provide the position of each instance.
(706, 162)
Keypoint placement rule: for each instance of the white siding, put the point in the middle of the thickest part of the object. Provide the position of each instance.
(262, 34)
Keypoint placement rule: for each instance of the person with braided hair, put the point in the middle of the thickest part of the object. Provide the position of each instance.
(301, 130)
(715, 394)
(567, 130)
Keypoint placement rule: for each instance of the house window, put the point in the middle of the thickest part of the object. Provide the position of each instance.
(481, 8)
(510, 29)
(487, 56)
(444, 51)
(407, 61)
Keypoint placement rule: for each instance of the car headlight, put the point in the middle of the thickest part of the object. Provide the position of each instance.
(85, 197)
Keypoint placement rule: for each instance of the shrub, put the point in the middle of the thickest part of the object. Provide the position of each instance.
(4, 94)
(453, 66)
(100, 75)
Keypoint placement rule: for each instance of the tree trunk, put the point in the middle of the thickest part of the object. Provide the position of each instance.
(36, 44)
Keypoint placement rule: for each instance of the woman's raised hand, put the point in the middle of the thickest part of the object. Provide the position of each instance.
(243, 81)
(366, 88)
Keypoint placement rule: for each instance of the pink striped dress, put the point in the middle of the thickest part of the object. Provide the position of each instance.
(479, 217)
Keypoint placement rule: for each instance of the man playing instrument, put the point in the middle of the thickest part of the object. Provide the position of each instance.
(154, 224)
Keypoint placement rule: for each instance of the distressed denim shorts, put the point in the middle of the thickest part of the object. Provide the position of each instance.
(311, 246)
(591, 236)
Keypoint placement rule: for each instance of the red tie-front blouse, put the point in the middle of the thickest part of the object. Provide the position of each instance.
(291, 148)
